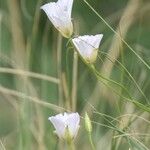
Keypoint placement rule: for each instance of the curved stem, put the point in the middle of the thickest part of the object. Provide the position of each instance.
(126, 70)
(98, 75)
(99, 16)
(130, 99)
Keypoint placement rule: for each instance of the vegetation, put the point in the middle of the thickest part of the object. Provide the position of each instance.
(42, 75)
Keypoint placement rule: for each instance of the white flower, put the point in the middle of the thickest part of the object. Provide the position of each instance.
(59, 13)
(64, 123)
(87, 46)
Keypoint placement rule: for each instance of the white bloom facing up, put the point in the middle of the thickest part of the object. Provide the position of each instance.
(59, 13)
(87, 46)
(66, 124)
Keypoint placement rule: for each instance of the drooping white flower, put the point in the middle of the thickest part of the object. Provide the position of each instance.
(59, 13)
(87, 46)
(67, 123)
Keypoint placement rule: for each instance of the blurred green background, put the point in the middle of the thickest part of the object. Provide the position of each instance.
(28, 45)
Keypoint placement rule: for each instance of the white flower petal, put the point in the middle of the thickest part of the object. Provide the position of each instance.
(72, 122)
(87, 46)
(59, 125)
(59, 14)
(66, 5)
(96, 40)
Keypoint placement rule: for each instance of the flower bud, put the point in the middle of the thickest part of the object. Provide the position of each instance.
(88, 125)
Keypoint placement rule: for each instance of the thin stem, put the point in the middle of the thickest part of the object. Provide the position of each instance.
(126, 70)
(68, 82)
(2, 145)
(109, 80)
(30, 74)
(91, 142)
(103, 80)
(130, 99)
(59, 68)
(137, 55)
(71, 145)
(74, 81)
(21, 96)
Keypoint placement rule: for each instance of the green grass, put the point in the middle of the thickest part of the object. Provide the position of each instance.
(42, 75)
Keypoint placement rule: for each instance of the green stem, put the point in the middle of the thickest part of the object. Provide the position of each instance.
(104, 79)
(98, 75)
(131, 77)
(59, 68)
(137, 55)
(71, 145)
(91, 142)
(74, 81)
(130, 99)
